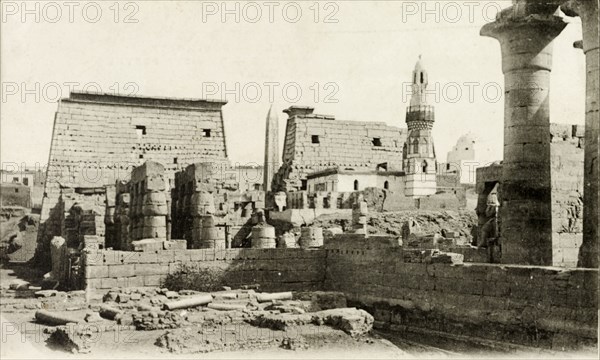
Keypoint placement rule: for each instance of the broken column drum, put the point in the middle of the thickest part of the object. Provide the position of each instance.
(311, 237)
(263, 236)
(360, 212)
(287, 241)
(210, 236)
(149, 209)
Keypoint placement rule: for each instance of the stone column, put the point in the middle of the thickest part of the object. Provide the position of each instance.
(526, 45)
(310, 237)
(201, 204)
(109, 217)
(58, 255)
(211, 236)
(148, 210)
(360, 217)
(263, 236)
(588, 253)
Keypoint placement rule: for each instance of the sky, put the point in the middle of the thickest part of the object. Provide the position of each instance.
(353, 60)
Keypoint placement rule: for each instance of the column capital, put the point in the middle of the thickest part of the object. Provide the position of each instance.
(526, 41)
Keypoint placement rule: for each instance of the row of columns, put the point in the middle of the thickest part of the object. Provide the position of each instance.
(526, 33)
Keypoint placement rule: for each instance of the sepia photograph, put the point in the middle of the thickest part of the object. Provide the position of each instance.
(303, 179)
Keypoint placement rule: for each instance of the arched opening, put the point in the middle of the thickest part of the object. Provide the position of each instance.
(386, 185)
(424, 165)
(355, 185)
(421, 77)
(415, 149)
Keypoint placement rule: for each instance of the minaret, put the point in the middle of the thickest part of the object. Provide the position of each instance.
(271, 148)
(419, 157)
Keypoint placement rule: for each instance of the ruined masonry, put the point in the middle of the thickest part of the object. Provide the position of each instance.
(99, 138)
(317, 142)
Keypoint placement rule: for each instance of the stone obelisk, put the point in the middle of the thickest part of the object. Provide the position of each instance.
(271, 149)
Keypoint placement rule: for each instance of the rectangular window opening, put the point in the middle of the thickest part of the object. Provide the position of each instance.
(376, 141)
(315, 139)
(206, 132)
(174, 160)
(140, 130)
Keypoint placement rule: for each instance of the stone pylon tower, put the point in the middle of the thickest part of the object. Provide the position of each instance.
(271, 149)
(419, 153)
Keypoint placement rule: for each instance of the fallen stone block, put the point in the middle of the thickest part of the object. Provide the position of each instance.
(125, 320)
(226, 307)
(110, 296)
(70, 340)
(322, 300)
(193, 301)
(281, 321)
(109, 312)
(188, 292)
(46, 293)
(49, 318)
(263, 297)
(123, 298)
(146, 307)
(292, 308)
(224, 295)
(172, 295)
(19, 285)
(445, 258)
(354, 322)
(92, 317)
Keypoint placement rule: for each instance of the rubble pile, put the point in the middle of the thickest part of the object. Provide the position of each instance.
(354, 322)
(157, 320)
(450, 224)
(191, 341)
(68, 339)
(193, 322)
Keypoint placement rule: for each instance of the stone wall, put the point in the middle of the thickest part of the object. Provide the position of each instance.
(527, 305)
(536, 306)
(566, 167)
(80, 215)
(566, 194)
(340, 144)
(98, 139)
(273, 269)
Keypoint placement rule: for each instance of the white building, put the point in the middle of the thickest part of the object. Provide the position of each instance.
(349, 180)
(468, 154)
